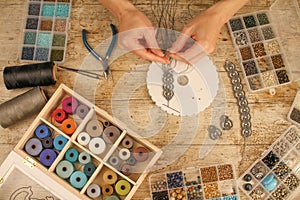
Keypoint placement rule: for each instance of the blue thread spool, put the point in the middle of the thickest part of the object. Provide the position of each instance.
(47, 157)
(64, 169)
(42, 131)
(59, 142)
(78, 179)
(89, 169)
(71, 155)
(84, 158)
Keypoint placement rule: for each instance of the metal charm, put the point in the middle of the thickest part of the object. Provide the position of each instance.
(225, 122)
(214, 132)
(242, 102)
(168, 80)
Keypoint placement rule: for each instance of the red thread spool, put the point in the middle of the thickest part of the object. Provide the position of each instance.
(68, 126)
(59, 115)
(141, 154)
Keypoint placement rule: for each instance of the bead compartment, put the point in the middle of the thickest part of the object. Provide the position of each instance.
(256, 39)
(294, 113)
(207, 182)
(281, 162)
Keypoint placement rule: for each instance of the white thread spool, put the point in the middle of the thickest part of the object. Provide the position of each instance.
(83, 138)
(124, 154)
(97, 145)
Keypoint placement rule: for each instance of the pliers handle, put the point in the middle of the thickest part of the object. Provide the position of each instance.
(104, 60)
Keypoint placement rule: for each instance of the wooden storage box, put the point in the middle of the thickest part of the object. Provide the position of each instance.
(125, 156)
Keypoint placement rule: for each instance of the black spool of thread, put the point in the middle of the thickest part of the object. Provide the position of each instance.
(22, 106)
(39, 74)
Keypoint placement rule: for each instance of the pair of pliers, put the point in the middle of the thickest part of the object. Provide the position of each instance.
(104, 60)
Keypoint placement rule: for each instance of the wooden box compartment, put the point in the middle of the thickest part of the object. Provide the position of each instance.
(78, 160)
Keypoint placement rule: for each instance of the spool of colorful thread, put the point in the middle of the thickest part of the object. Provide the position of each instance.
(89, 169)
(59, 142)
(141, 154)
(124, 154)
(83, 138)
(82, 111)
(94, 128)
(59, 115)
(126, 170)
(33, 147)
(84, 158)
(22, 106)
(64, 169)
(69, 105)
(71, 155)
(78, 179)
(113, 197)
(111, 134)
(107, 190)
(47, 143)
(127, 142)
(68, 126)
(97, 146)
(122, 187)
(110, 177)
(47, 157)
(31, 75)
(131, 161)
(93, 191)
(114, 161)
(42, 131)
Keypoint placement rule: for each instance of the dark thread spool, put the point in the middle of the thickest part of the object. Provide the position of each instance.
(39, 74)
(22, 106)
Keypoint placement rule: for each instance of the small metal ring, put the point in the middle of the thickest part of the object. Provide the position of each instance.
(214, 132)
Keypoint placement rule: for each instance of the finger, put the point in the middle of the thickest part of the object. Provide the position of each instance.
(152, 42)
(148, 55)
(193, 54)
(179, 43)
(179, 58)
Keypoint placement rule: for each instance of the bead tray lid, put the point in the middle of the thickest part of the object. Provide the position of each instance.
(294, 113)
(207, 182)
(267, 44)
(276, 174)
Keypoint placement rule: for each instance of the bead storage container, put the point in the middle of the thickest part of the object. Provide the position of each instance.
(71, 143)
(263, 42)
(45, 30)
(208, 182)
(294, 113)
(259, 49)
(275, 175)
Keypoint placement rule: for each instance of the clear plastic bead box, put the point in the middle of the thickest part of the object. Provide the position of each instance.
(262, 59)
(275, 175)
(45, 30)
(208, 182)
(294, 113)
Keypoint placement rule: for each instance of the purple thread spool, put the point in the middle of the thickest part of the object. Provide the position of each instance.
(82, 111)
(47, 157)
(69, 105)
(33, 147)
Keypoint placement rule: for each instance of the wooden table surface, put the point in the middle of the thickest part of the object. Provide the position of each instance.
(269, 113)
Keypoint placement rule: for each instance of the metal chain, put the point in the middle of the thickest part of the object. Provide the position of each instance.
(168, 81)
(242, 102)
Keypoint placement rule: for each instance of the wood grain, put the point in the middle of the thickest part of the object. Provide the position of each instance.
(268, 112)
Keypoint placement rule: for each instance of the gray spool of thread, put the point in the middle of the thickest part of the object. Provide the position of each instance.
(22, 106)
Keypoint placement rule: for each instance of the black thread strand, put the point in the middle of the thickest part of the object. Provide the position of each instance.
(40, 74)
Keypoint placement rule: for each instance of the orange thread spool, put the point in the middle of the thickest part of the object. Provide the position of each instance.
(68, 126)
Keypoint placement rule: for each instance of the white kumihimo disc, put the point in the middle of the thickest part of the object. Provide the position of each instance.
(195, 86)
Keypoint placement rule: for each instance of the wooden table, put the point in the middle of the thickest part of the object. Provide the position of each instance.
(269, 113)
